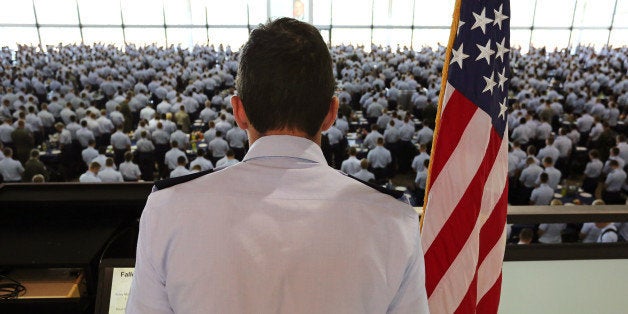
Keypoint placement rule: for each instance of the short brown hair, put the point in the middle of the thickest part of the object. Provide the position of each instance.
(285, 77)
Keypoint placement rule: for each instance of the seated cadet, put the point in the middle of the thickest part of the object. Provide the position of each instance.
(109, 174)
(351, 165)
(129, 170)
(91, 175)
(38, 178)
(525, 236)
(273, 238)
(364, 174)
(543, 194)
(180, 170)
(227, 161)
(589, 231)
(551, 232)
(201, 161)
(608, 232)
(195, 169)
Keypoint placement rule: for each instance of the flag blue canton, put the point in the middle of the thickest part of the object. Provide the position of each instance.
(479, 67)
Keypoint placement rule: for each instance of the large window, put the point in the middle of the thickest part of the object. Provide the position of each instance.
(98, 12)
(55, 12)
(415, 23)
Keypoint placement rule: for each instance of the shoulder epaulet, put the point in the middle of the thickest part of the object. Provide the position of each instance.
(166, 183)
(394, 193)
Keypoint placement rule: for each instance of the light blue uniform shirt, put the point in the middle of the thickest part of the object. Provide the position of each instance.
(615, 180)
(281, 232)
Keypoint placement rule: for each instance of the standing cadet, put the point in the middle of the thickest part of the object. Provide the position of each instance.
(23, 141)
(161, 139)
(237, 139)
(279, 242)
(146, 156)
(120, 143)
(615, 180)
(10, 169)
(380, 160)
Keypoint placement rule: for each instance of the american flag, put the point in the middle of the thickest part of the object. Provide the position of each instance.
(463, 230)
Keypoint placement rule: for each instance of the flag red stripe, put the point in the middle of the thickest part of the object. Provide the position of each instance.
(468, 303)
(456, 116)
(490, 302)
(493, 228)
(455, 232)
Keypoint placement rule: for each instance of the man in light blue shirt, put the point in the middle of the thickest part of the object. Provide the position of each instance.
(10, 169)
(280, 232)
(380, 160)
(108, 174)
(613, 184)
(90, 152)
(543, 194)
(91, 175)
(351, 165)
(592, 172)
(553, 174)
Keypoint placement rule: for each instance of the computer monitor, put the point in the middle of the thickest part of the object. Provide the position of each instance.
(114, 283)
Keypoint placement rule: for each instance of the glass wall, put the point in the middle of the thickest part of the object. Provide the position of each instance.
(411, 23)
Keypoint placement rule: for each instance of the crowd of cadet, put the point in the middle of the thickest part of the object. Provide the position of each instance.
(103, 114)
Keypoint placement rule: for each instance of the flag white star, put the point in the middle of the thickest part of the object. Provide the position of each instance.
(485, 52)
(490, 84)
(503, 109)
(499, 17)
(481, 20)
(460, 23)
(502, 78)
(458, 56)
(501, 49)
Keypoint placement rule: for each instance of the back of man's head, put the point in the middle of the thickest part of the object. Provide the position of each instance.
(94, 166)
(544, 177)
(364, 164)
(181, 161)
(353, 151)
(285, 78)
(525, 236)
(128, 156)
(109, 162)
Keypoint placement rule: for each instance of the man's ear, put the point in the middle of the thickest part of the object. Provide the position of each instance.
(330, 118)
(238, 113)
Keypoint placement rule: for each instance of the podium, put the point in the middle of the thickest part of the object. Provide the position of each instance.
(54, 236)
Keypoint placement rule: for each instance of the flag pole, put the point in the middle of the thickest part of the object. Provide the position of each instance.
(452, 36)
